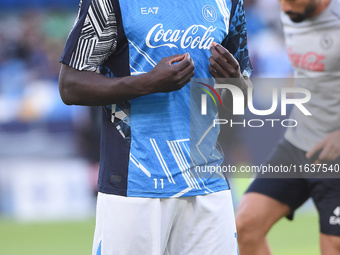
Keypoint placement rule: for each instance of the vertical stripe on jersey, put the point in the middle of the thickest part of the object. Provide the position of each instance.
(222, 6)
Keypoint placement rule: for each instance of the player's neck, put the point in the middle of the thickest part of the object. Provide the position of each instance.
(322, 5)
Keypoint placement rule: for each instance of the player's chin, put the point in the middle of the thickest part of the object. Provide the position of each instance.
(296, 18)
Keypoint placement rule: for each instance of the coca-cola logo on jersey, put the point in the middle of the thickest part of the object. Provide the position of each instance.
(195, 36)
(310, 61)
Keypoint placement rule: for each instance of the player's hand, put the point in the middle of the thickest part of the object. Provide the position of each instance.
(222, 63)
(329, 146)
(171, 73)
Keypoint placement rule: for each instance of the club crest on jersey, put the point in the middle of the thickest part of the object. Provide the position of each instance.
(195, 36)
(209, 13)
(326, 41)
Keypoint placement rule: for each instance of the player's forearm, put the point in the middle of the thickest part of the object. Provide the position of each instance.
(89, 88)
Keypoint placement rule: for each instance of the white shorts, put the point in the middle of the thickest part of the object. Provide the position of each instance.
(165, 226)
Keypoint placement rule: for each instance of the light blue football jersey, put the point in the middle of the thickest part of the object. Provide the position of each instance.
(153, 145)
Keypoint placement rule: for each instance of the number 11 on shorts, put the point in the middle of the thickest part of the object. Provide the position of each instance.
(162, 183)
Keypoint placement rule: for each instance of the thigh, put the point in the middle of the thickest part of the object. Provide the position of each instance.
(326, 196)
(205, 225)
(130, 225)
(290, 192)
(257, 213)
(329, 244)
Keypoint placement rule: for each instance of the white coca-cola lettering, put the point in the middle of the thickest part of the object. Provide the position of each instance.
(189, 38)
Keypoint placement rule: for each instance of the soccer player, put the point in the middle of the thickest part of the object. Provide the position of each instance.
(150, 199)
(312, 36)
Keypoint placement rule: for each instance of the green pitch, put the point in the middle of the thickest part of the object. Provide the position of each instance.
(57, 238)
(299, 237)
(75, 238)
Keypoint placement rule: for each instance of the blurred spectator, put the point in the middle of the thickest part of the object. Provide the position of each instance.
(31, 42)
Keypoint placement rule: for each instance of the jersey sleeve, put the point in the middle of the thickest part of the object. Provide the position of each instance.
(236, 41)
(93, 37)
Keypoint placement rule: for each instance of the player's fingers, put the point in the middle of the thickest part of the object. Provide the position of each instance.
(216, 54)
(324, 154)
(224, 64)
(218, 69)
(174, 58)
(185, 75)
(213, 44)
(329, 153)
(214, 73)
(219, 59)
(226, 54)
(183, 63)
(332, 156)
(189, 69)
(316, 148)
(186, 79)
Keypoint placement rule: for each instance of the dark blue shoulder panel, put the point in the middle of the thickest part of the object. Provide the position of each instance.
(72, 40)
(236, 41)
(115, 150)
